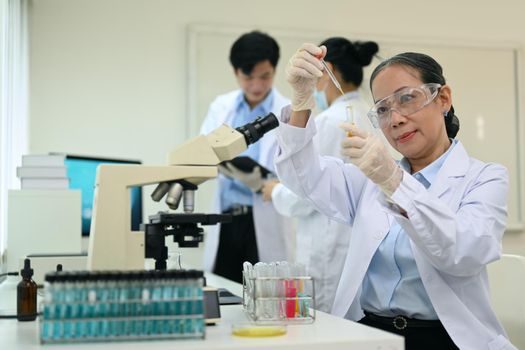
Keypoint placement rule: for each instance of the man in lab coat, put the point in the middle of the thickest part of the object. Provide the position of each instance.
(257, 232)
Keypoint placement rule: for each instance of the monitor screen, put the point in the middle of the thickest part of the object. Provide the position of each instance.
(82, 173)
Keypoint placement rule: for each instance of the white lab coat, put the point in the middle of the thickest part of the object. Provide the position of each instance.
(455, 228)
(274, 233)
(321, 243)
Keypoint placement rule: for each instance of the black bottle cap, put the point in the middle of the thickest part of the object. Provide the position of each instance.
(50, 277)
(195, 274)
(59, 267)
(27, 271)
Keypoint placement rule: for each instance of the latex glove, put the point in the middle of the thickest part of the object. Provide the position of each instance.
(369, 154)
(302, 72)
(253, 180)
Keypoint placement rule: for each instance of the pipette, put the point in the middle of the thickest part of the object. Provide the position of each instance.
(332, 76)
(349, 111)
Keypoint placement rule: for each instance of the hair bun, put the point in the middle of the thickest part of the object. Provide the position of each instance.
(366, 51)
(451, 123)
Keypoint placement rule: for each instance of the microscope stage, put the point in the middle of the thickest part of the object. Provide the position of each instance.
(189, 218)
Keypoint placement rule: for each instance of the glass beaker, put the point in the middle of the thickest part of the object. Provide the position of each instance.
(174, 260)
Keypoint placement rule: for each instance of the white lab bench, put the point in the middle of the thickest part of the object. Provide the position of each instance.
(327, 332)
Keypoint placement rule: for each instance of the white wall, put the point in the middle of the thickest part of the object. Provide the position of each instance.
(108, 76)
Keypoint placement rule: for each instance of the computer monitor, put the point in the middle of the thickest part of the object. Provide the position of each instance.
(82, 173)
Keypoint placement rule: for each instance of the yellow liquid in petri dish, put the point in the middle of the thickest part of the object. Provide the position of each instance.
(258, 331)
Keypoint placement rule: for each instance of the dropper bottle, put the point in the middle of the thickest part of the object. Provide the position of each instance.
(26, 294)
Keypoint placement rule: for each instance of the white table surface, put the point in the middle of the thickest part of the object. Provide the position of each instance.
(327, 332)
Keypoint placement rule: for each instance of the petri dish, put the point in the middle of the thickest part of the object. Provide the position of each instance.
(256, 331)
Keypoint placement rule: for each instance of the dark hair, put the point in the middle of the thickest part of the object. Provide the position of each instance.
(350, 58)
(252, 48)
(430, 72)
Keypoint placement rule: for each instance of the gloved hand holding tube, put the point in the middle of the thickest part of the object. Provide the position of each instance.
(369, 154)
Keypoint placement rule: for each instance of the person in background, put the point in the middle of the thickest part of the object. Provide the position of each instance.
(257, 232)
(321, 243)
(423, 229)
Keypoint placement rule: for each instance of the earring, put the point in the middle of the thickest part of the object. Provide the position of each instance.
(445, 113)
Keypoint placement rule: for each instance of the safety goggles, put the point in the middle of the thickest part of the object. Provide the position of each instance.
(406, 101)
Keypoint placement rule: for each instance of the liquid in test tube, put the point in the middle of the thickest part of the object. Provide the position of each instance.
(350, 118)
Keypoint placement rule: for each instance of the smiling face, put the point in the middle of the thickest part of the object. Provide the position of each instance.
(421, 136)
(258, 83)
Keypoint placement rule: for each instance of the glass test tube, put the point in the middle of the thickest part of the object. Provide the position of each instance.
(350, 118)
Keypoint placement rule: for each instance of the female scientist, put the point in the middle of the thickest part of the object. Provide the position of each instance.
(423, 229)
(321, 243)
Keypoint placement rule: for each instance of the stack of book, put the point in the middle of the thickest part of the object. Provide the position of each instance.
(43, 172)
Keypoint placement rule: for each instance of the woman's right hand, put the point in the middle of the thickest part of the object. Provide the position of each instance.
(302, 72)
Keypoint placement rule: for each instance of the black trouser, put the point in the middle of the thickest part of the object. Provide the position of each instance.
(237, 244)
(418, 337)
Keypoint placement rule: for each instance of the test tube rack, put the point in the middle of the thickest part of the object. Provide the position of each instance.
(279, 300)
(90, 306)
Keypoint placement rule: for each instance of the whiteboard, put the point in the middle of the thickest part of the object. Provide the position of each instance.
(483, 80)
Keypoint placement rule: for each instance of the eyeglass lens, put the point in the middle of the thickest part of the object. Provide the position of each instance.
(405, 102)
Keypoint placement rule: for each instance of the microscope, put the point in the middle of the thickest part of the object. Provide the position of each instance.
(112, 243)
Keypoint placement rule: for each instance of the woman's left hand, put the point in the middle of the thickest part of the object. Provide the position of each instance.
(369, 154)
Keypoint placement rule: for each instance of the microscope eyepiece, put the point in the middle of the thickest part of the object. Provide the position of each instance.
(255, 130)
